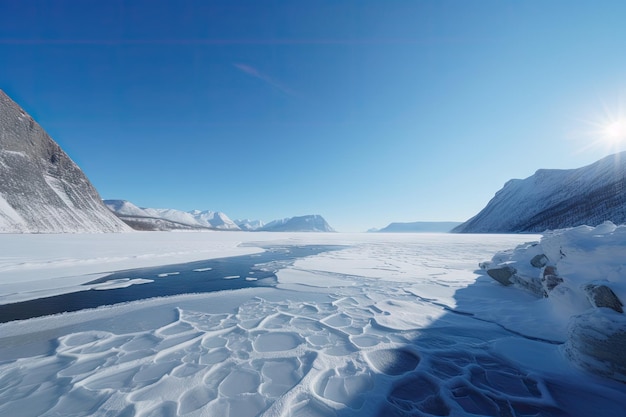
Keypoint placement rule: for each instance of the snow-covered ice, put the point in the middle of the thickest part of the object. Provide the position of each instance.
(391, 325)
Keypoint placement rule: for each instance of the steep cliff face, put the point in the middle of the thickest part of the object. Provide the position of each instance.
(41, 189)
(556, 199)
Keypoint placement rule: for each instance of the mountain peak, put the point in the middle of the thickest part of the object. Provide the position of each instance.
(307, 223)
(556, 199)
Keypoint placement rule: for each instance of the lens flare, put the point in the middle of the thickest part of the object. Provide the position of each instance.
(615, 131)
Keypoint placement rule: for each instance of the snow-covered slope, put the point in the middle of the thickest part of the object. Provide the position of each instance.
(41, 189)
(555, 199)
(169, 219)
(419, 227)
(308, 223)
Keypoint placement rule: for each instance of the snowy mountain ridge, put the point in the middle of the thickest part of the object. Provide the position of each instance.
(169, 219)
(248, 224)
(41, 189)
(143, 218)
(556, 199)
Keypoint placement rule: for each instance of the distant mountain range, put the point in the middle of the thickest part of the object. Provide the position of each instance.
(41, 189)
(141, 218)
(556, 199)
(169, 219)
(418, 227)
(309, 223)
(249, 225)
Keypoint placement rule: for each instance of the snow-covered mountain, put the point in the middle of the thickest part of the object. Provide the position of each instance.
(418, 227)
(41, 189)
(169, 219)
(249, 225)
(308, 223)
(556, 199)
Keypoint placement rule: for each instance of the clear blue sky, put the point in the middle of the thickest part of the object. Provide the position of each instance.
(365, 112)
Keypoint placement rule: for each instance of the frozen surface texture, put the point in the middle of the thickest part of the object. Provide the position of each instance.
(41, 189)
(389, 326)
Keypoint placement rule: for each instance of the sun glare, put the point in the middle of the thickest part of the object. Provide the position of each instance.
(607, 130)
(615, 131)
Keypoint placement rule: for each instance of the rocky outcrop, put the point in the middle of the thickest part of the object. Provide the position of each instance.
(596, 342)
(502, 274)
(600, 295)
(580, 272)
(550, 278)
(41, 189)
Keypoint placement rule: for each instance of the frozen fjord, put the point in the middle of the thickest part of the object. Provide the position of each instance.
(369, 330)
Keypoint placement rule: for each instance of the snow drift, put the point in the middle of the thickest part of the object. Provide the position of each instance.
(581, 275)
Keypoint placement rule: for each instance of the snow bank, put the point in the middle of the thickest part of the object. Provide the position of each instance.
(580, 275)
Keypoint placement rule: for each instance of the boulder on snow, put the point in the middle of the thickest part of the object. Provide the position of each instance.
(539, 261)
(599, 295)
(550, 278)
(502, 274)
(550, 281)
(596, 342)
(532, 284)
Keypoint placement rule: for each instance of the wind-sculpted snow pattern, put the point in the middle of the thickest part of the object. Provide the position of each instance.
(329, 341)
(318, 359)
(280, 359)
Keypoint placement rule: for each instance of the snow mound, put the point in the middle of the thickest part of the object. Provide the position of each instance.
(581, 272)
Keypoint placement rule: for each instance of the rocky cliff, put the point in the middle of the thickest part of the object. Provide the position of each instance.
(41, 189)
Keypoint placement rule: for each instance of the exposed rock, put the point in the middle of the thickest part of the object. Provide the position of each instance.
(549, 270)
(596, 342)
(539, 261)
(502, 274)
(531, 284)
(600, 295)
(550, 278)
(549, 282)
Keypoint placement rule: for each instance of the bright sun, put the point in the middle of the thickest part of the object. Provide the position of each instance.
(615, 131)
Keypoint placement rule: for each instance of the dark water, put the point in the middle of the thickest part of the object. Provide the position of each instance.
(188, 280)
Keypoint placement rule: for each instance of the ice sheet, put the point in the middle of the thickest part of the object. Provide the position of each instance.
(389, 326)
